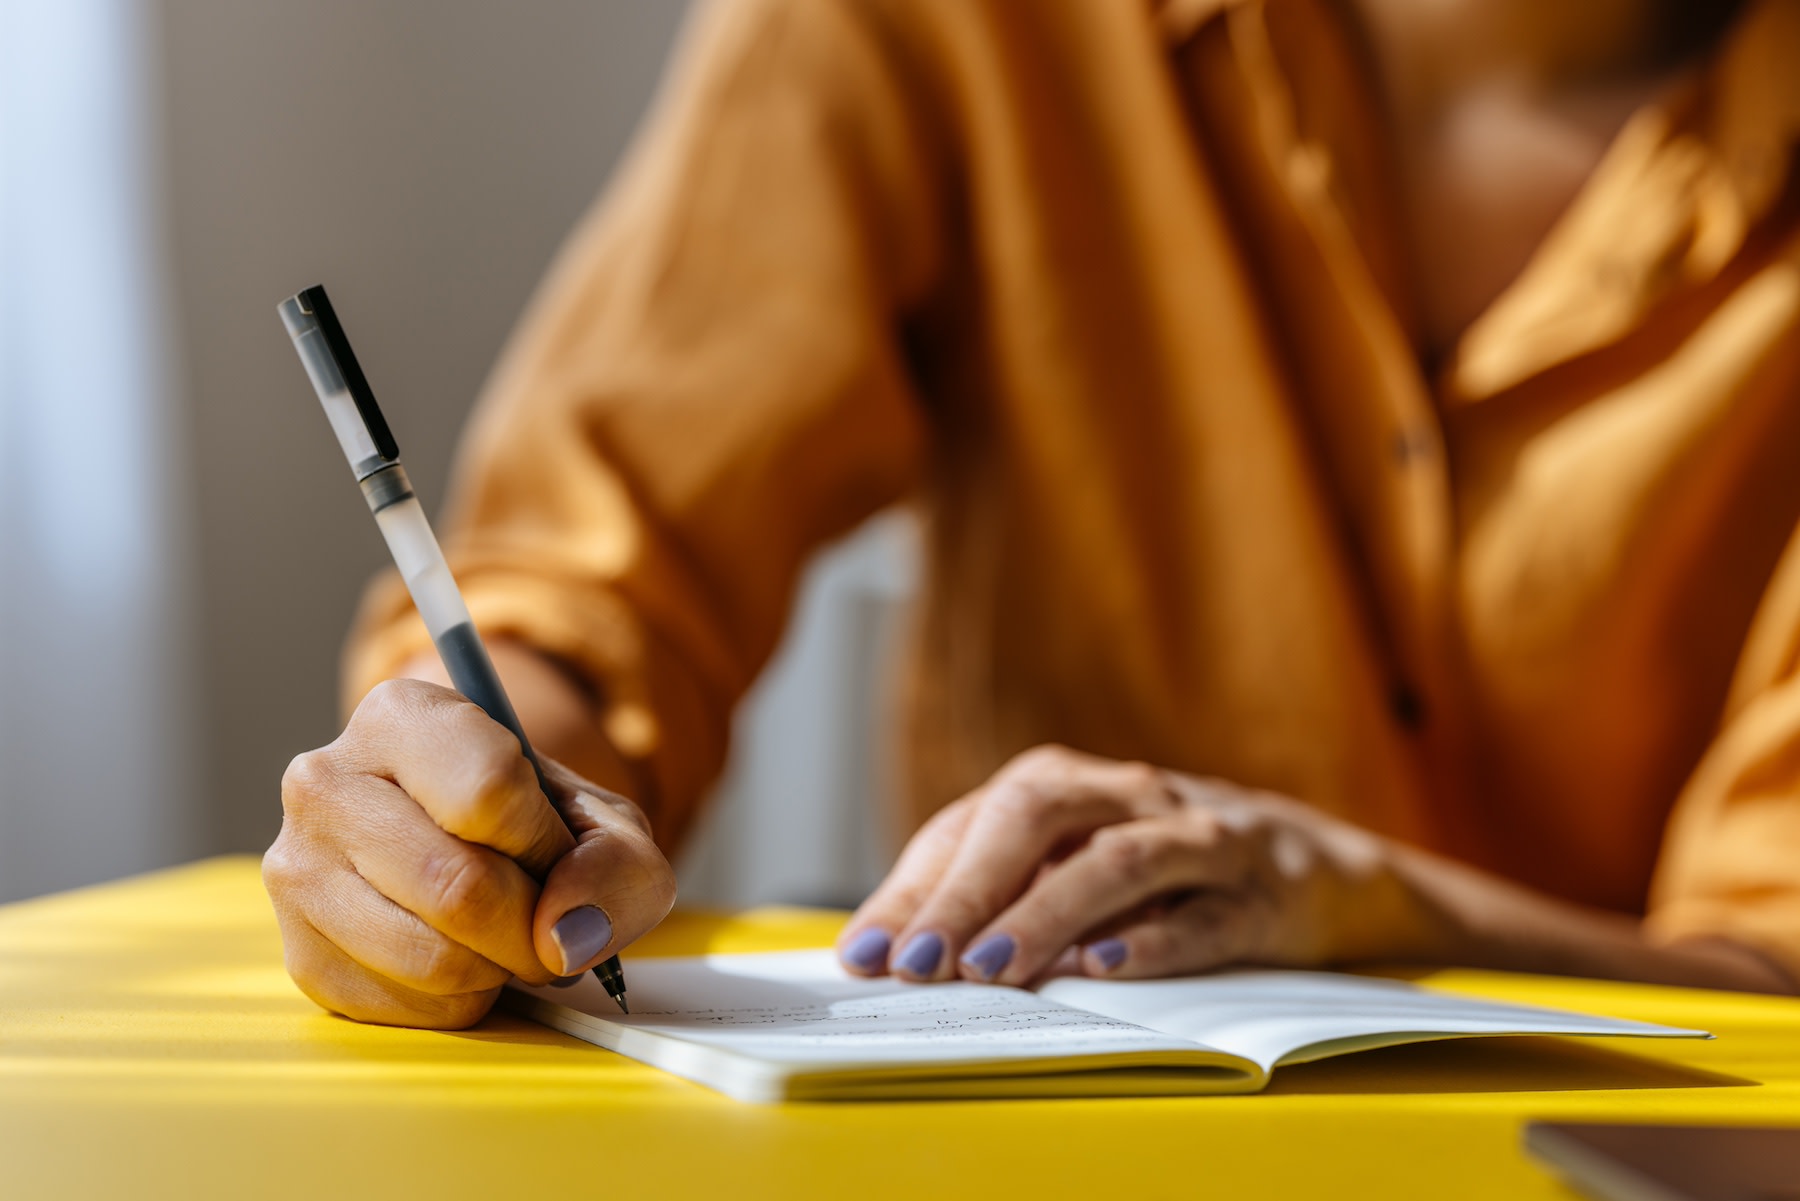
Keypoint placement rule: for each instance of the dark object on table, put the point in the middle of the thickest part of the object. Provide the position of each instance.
(1671, 1163)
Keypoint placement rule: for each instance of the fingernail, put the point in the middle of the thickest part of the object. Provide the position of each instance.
(580, 935)
(920, 958)
(565, 982)
(868, 951)
(991, 954)
(1109, 951)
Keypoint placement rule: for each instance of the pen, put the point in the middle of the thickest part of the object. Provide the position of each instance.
(375, 458)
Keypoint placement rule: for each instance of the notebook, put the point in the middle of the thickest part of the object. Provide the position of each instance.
(793, 1025)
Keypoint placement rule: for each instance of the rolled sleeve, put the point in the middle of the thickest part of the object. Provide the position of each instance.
(708, 387)
(1730, 863)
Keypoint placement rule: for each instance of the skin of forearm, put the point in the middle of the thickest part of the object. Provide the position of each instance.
(1488, 922)
(560, 716)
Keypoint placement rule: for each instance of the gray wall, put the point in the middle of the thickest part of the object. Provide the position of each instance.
(202, 159)
(424, 160)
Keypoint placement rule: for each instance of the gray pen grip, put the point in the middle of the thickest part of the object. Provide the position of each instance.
(421, 563)
(472, 671)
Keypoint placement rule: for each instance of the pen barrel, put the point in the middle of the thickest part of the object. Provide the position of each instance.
(427, 575)
(374, 457)
(415, 550)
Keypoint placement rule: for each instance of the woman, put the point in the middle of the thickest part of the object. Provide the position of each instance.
(1359, 427)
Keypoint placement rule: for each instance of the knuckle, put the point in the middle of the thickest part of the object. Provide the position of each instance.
(384, 703)
(460, 886)
(945, 827)
(1192, 840)
(954, 813)
(1045, 758)
(1122, 852)
(280, 873)
(1019, 799)
(493, 777)
(314, 974)
(631, 811)
(1228, 804)
(441, 967)
(474, 730)
(500, 773)
(1289, 853)
(1142, 778)
(1201, 830)
(305, 974)
(308, 778)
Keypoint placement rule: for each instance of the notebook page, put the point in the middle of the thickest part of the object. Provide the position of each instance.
(1279, 1017)
(801, 1010)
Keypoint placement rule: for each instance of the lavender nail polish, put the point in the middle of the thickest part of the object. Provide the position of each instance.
(990, 955)
(1109, 951)
(580, 935)
(920, 958)
(868, 951)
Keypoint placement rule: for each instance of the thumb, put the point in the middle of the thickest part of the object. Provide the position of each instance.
(610, 889)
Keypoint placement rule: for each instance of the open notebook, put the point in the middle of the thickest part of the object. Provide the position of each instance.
(793, 1025)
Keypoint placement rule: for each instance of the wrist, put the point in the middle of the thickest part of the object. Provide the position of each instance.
(1425, 922)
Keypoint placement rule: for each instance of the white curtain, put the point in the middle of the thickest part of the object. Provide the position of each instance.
(95, 696)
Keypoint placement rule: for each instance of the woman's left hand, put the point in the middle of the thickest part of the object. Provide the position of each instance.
(1145, 872)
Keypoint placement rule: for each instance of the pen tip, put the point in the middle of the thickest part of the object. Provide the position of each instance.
(623, 1007)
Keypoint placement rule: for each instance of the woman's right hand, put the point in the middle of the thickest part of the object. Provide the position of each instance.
(406, 875)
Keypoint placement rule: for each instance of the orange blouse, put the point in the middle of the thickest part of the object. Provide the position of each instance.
(1111, 291)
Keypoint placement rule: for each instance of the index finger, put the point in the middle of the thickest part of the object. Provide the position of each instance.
(1050, 797)
(869, 935)
(463, 768)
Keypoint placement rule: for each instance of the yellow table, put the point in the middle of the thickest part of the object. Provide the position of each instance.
(152, 1046)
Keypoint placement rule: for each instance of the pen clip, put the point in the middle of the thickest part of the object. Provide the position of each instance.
(314, 301)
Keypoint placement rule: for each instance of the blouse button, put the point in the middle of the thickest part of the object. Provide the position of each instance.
(1412, 445)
